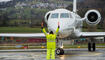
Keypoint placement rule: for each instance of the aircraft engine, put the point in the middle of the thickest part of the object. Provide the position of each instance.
(93, 17)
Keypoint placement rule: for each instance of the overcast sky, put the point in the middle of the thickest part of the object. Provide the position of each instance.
(4, 0)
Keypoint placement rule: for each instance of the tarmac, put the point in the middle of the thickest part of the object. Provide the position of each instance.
(40, 54)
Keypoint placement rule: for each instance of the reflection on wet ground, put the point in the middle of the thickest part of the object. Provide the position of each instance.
(80, 54)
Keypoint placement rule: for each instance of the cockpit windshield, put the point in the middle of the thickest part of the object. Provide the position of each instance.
(54, 15)
(64, 15)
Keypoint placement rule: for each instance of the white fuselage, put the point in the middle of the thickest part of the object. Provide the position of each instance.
(69, 25)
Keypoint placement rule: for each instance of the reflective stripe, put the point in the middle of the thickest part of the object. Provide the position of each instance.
(50, 40)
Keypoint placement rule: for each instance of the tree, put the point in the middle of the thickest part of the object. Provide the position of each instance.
(4, 19)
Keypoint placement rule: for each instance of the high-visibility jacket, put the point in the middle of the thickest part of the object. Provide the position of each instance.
(51, 39)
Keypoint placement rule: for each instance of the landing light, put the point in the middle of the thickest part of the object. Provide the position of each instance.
(62, 47)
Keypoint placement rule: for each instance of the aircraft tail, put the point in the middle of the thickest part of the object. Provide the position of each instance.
(75, 6)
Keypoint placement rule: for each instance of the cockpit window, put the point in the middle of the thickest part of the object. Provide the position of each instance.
(48, 16)
(54, 15)
(64, 15)
(71, 16)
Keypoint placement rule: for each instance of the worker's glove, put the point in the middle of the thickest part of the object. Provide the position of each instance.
(42, 25)
(58, 26)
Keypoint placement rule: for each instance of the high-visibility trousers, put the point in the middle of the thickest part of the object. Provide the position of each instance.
(50, 54)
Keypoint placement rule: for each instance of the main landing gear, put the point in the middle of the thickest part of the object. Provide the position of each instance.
(92, 45)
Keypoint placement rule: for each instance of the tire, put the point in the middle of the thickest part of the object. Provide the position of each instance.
(89, 46)
(94, 46)
(59, 51)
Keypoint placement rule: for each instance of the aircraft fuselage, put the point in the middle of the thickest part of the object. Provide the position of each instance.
(69, 26)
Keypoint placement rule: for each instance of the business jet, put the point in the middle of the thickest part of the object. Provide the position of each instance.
(70, 26)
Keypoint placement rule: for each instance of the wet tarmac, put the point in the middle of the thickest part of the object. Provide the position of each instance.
(70, 54)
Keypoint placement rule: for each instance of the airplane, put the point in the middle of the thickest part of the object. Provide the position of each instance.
(70, 26)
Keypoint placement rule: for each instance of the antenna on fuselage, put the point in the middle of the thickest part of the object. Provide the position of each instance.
(74, 6)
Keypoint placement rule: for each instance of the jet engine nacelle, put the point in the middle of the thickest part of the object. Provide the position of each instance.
(93, 17)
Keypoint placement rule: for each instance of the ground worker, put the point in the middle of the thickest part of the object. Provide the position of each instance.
(51, 43)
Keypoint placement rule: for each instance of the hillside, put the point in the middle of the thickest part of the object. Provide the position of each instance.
(20, 12)
(26, 12)
(32, 2)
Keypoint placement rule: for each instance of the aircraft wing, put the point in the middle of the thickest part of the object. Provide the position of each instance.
(22, 34)
(92, 34)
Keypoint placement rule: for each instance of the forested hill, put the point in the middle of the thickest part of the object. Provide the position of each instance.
(14, 2)
(30, 2)
(31, 9)
(14, 11)
(92, 3)
(35, 10)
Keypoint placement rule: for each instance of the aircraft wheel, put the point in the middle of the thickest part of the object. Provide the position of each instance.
(89, 46)
(94, 46)
(59, 51)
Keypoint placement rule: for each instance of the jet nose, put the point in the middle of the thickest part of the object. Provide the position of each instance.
(52, 26)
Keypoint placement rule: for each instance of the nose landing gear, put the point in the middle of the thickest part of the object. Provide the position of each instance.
(60, 51)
